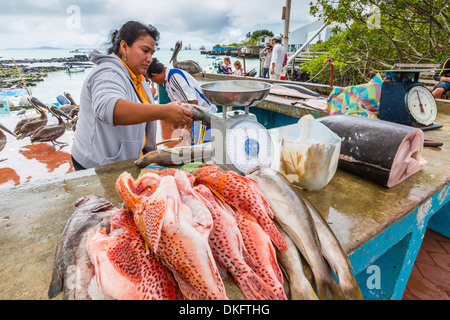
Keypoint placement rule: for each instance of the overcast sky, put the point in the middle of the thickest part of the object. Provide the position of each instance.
(87, 23)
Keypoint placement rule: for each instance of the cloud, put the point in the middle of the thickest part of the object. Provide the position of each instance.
(30, 23)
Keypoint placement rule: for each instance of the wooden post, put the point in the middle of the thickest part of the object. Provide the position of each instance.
(287, 17)
(331, 61)
(20, 74)
(245, 71)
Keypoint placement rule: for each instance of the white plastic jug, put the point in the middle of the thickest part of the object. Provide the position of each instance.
(309, 153)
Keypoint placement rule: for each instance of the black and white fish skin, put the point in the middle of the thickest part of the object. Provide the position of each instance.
(199, 113)
(361, 153)
(176, 156)
(73, 270)
(292, 214)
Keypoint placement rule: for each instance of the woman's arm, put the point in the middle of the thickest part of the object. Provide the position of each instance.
(129, 113)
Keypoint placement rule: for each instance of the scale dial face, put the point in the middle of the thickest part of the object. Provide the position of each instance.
(421, 105)
(249, 145)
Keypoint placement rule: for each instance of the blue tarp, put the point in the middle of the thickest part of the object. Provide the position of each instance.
(13, 93)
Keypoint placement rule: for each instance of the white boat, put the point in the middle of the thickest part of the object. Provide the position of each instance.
(5, 106)
(75, 69)
(214, 66)
(12, 92)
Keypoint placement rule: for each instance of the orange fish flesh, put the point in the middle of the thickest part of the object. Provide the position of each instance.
(243, 195)
(126, 271)
(229, 251)
(169, 228)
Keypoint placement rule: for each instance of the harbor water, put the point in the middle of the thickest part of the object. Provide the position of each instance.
(22, 161)
(59, 81)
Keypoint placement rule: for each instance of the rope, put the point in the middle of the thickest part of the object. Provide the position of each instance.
(328, 60)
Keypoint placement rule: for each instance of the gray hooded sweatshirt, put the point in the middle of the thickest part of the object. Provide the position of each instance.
(98, 141)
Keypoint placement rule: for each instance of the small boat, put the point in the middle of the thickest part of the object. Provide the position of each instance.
(62, 100)
(4, 107)
(75, 69)
(13, 92)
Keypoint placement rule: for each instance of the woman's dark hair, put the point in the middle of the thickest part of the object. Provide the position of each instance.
(155, 67)
(130, 32)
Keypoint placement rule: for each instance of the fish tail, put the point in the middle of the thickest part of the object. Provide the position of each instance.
(254, 288)
(328, 289)
(274, 235)
(306, 293)
(124, 191)
(55, 285)
(350, 287)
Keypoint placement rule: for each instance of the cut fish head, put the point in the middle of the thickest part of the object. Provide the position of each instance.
(125, 187)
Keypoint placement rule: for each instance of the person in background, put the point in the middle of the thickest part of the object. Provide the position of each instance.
(278, 57)
(238, 68)
(226, 69)
(117, 117)
(182, 87)
(266, 55)
(443, 76)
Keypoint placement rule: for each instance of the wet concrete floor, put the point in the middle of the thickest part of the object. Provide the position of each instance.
(33, 214)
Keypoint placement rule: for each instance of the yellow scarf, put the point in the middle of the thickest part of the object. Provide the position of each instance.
(137, 81)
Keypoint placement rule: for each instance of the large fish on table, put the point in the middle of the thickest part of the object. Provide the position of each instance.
(254, 219)
(242, 194)
(126, 270)
(72, 267)
(333, 252)
(178, 236)
(228, 248)
(291, 262)
(169, 157)
(293, 216)
(381, 151)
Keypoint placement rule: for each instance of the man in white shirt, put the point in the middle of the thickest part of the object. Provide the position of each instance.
(276, 62)
(180, 86)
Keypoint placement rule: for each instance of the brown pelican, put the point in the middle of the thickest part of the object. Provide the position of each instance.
(189, 66)
(34, 101)
(55, 110)
(66, 108)
(3, 137)
(71, 121)
(22, 111)
(69, 97)
(31, 126)
(50, 132)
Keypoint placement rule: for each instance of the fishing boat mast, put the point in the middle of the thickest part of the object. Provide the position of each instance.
(286, 16)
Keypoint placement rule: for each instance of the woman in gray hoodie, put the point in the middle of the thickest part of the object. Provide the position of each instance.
(117, 117)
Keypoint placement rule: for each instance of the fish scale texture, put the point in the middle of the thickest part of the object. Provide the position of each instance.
(242, 194)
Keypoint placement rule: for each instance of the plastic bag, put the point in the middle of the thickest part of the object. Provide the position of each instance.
(309, 153)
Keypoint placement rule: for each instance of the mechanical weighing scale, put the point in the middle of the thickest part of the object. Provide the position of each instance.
(240, 143)
(405, 100)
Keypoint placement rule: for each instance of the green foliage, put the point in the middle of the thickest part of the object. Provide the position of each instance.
(376, 34)
(253, 36)
(259, 33)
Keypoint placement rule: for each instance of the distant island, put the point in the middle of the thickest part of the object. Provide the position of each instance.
(37, 48)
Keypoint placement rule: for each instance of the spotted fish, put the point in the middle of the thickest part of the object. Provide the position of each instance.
(228, 248)
(180, 241)
(125, 270)
(73, 270)
(243, 195)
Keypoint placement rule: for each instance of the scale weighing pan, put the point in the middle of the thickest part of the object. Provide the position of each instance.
(240, 143)
(236, 93)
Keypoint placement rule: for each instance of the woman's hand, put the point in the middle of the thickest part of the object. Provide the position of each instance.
(177, 115)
